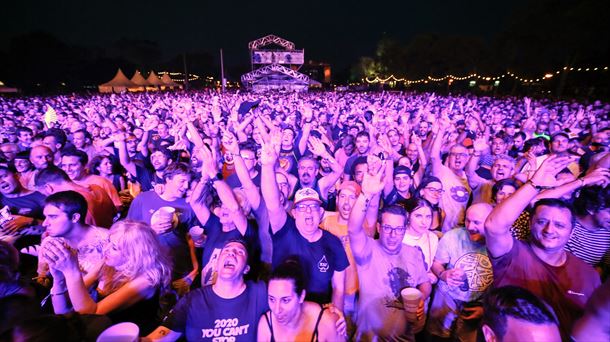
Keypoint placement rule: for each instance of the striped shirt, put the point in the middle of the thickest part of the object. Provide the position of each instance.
(592, 247)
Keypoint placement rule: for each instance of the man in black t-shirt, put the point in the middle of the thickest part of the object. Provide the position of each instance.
(320, 252)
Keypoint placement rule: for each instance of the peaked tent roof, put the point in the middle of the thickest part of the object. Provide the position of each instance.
(168, 81)
(119, 83)
(139, 79)
(119, 80)
(154, 80)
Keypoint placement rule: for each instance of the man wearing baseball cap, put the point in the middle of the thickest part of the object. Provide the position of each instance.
(320, 252)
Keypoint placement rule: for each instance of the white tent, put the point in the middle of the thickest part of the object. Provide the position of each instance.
(154, 80)
(139, 80)
(169, 83)
(118, 84)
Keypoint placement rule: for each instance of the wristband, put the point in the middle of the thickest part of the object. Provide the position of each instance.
(536, 187)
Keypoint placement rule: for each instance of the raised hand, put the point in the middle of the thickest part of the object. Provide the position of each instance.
(480, 144)
(209, 162)
(268, 154)
(373, 182)
(550, 167)
(597, 176)
(230, 142)
(317, 147)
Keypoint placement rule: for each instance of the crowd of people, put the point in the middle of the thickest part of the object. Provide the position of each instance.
(381, 216)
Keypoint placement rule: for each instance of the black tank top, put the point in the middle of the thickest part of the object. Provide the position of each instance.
(314, 337)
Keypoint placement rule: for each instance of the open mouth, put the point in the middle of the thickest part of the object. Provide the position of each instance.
(230, 264)
(5, 187)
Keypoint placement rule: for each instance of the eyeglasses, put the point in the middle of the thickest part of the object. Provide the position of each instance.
(389, 229)
(306, 207)
(435, 191)
(248, 158)
(458, 155)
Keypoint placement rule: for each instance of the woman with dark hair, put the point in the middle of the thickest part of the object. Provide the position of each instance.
(109, 167)
(503, 189)
(431, 189)
(291, 318)
(500, 191)
(418, 232)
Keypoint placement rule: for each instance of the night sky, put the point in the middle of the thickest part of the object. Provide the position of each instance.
(332, 31)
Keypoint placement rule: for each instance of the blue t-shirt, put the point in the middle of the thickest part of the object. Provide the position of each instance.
(319, 259)
(202, 315)
(142, 209)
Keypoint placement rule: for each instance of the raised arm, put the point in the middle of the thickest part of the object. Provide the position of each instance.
(269, 188)
(497, 226)
(435, 151)
(252, 192)
(224, 191)
(126, 162)
(423, 161)
(372, 185)
(318, 148)
(480, 146)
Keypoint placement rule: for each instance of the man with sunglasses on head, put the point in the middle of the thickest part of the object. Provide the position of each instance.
(320, 252)
(385, 267)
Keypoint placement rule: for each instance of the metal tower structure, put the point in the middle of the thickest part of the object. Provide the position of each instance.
(275, 63)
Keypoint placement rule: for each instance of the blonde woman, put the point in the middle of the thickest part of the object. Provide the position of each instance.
(128, 281)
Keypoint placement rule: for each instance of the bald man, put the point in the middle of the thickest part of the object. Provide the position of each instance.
(464, 272)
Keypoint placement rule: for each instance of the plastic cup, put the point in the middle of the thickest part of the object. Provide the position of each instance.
(166, 214)
(122, 332)
(162, 216)
(197, 235)
(411, 297)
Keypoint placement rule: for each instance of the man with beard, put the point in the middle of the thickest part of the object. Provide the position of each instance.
(197, 316)
(363, 146)
(385, 267)
(517, 148)
(320, 252)
(541, 265)
(171, 229)
(309, 167)
(503, 167)
(455, 183)
(464, 272)
(144, 175)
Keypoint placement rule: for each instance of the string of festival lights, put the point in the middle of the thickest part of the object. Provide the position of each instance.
(546, 76)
